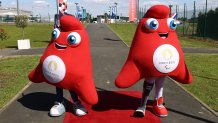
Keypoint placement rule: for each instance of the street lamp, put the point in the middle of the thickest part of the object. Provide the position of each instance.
(138, 11)
(17, 7)
(76, 10)
(205, 20)
(40, 17)
(109, 13)
(82, 13)
(0, 6)
(170, 9)
(48, 13)
(57, 5)
(116, 11)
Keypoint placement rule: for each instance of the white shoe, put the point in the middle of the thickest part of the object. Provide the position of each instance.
(57, 110)
(79, 109)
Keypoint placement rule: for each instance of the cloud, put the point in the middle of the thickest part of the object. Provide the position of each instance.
(152, 2)
(209, 3)
(40, 2)
(99, 7)
(13, 3)
(162, 2)
(99, 1)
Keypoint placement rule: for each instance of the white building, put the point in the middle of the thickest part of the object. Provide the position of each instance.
(8, 14)
(100, 18)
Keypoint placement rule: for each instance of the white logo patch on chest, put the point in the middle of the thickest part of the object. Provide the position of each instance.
(166, 58)
(54, 69)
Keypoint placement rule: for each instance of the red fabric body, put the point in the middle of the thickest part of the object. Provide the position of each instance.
(77, 62)
(139, 64)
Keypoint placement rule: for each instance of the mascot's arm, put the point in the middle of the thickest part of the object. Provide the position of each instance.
(86, 91)
(184, 76)
(128, 76)
(36, 75)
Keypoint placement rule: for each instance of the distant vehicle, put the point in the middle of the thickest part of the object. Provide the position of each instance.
(95, 22)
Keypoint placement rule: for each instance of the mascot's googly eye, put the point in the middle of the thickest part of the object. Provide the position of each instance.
(55, 33)
(74, 38)
(151, 24)
(171, 23)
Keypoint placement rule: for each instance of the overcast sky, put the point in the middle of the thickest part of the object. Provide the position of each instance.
(96, 7)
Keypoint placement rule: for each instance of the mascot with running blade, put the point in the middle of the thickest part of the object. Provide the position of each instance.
(155, 53)
(66, 64)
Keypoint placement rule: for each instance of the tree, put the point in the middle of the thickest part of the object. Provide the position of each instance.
(21, 21)
(200, 26)
(211, 26)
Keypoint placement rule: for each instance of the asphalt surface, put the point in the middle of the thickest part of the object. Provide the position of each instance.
(108, 54)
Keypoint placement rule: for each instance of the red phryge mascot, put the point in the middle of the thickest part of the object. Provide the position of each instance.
(66, 63)
(154, 54)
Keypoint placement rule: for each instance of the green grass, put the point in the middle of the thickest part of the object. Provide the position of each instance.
(197, 43)
(13, 76)
(124, 31)
(39, 35)
(127, 31)
(204, 69)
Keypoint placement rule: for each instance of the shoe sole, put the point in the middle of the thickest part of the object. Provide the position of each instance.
(55, 115)
(81, 114)
(161, 116)
(139, 113)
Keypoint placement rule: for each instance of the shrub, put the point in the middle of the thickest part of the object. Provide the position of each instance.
(21, 21)
(3, 35)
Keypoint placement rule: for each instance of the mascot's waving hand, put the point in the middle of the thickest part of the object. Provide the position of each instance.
(154, 54)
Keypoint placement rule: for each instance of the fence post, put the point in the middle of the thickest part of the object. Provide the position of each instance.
(193, 31)
(205, 20)
(184, 20)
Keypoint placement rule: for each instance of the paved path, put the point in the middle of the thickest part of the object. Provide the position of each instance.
(39, 51)
(109, 54)
(13, 52)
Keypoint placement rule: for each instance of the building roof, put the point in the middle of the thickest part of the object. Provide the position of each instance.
(13, 12)
(100, 16)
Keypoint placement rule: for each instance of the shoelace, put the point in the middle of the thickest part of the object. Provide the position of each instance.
(56, 105)
(78, 105)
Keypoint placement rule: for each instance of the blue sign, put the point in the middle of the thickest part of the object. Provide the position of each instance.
(79, 12)
(114, 11)
(84, 13)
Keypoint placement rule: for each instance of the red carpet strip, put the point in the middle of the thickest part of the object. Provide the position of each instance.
(114, 107)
